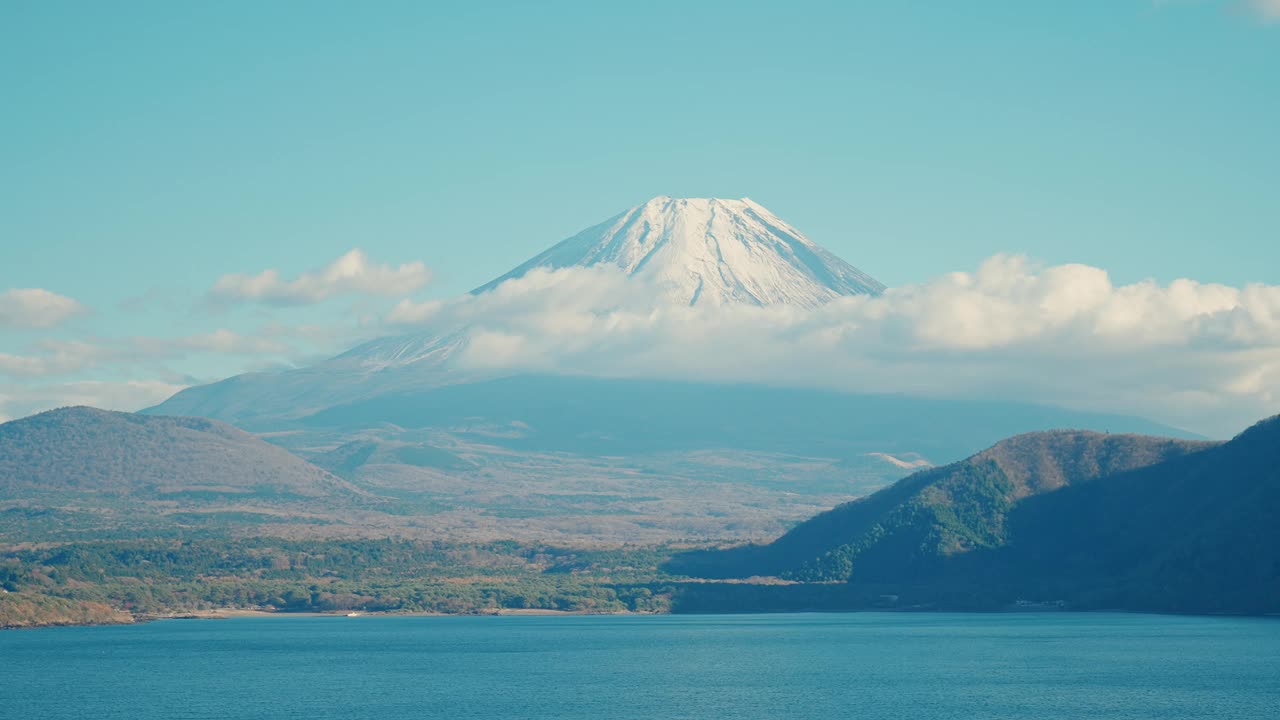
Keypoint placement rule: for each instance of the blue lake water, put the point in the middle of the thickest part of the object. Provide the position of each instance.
(867, 665)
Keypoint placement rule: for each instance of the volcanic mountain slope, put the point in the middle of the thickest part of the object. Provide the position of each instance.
(632, 459)
(615, 417)
(690, 251)
(905, 532)
(523, 441)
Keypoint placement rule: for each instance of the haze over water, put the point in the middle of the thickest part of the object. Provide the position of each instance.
(870, 665)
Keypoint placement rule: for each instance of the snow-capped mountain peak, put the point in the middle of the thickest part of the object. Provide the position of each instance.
(710, 251)
(696, 251)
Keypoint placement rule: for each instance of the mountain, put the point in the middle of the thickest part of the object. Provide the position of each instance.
(91, 468)
(1198, 534)
(591, 459)
(694, 252)
(905, 530)
(84, 449)
(1076, 519)
(348, 459)
(710, 251)
(619, 417)
(621, 459)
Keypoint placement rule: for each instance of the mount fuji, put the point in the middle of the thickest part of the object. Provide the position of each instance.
(622, 460)
(686, 251)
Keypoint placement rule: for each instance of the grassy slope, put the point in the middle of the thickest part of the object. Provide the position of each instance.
(83, 449)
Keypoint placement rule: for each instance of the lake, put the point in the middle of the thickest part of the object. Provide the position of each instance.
(864, 665)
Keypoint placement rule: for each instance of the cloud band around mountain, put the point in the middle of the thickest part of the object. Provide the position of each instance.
(1204, 356)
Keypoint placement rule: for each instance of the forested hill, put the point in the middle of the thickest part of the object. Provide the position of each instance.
(904, 531)
(85, 450)
(1077, 519)
(1198, 534)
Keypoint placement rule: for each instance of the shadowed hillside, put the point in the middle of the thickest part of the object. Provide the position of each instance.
(903, 532)
(1074, 520)
(1199, 533)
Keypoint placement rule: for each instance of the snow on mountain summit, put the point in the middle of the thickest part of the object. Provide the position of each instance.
(710, 251)
(695, 251)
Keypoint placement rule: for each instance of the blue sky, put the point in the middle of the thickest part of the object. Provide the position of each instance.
(147, 149)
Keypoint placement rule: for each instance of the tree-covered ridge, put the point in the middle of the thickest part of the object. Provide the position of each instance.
(965, 513)
(1109, 523)
(166, 576)
(1198, 533)
(905, 531)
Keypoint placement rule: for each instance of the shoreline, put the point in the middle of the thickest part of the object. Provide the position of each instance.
(228, 613)
(239, 613)
(234, 613)
(125, 618)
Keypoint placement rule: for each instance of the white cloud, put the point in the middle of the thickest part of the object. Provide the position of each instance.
(36, 308)
(61, 357)
(225, 341)
(353, 273)
(23, 365)
(56, 357)
(272, 343)
(1268, 10)
(20, 401)
(1202, 356)
(408, 312)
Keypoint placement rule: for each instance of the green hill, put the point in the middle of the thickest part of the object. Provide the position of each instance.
(1199, 533)
(907, 529)
(81, 473)
(1069, 518)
